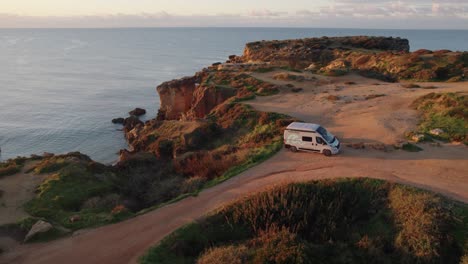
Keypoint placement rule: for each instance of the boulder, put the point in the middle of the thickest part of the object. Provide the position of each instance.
(131, 122)
(75, 218)
(137, 112)
(437, 132)
(119, 120)
(418, 138)
(38, 228)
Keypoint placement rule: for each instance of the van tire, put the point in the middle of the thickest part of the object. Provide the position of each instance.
(327, 153)
(293, 149)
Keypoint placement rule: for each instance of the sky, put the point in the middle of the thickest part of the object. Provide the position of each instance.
(393, 14)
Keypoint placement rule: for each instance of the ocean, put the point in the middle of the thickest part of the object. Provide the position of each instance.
(60, 88)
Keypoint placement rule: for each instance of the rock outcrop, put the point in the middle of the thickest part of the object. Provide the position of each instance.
(137, 112)
(306, 51)
(39, 227)
(388, 59)
(176, 96)
(194, 97)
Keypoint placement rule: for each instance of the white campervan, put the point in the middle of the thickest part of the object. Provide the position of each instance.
(310, 137)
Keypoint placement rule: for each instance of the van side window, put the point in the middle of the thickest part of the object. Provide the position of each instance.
(307, 139)
(320, 140)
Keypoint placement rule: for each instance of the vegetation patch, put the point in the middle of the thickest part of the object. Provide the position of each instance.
(285, 76)
(444, 116)
(77, 195)
(372, 96)
(329, 221)
(411, 85)
(237, 139)
(411, 147)
(12, 166)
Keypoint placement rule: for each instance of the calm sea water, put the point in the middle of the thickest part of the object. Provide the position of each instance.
(60, 88)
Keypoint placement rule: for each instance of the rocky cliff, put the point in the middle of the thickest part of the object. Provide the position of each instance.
(194, 97)
(317, 49)
(177, 96)
(383, 58)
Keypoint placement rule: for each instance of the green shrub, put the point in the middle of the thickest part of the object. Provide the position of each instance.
(9, 169)
(411, 147)
(448, 112)
(226, 254)
(11, 166)
(62, 195)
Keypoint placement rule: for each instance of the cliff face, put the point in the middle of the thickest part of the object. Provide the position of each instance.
(176, 96)
(194, 97)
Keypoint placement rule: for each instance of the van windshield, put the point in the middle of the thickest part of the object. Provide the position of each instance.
(326, 135)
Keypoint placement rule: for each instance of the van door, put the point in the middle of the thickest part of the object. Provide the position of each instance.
(321, 144)
(308, 143)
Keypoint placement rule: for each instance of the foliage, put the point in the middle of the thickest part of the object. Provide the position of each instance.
(11, 166)
(446, 111)
(411, 147)
(330, 221)
(65, 193)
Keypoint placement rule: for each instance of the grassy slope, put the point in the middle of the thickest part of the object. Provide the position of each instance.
(340, 221)
(447, 111)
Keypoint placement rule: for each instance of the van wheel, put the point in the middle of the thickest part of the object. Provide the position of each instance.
(327, 153)
(293, 149)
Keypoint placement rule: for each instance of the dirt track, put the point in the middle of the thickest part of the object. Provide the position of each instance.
(442, 169)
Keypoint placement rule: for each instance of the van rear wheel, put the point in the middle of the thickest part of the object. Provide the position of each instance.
(293, 149)
(327, 153)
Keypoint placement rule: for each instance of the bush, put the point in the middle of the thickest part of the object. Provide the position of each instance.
(277, 245)
(423, 222)
(9, 169)
(411, 147)
(411, 85)
(63, 194)
(193, 184)
(330, 221)
(444, 111)
(225, 254)
(11, 166)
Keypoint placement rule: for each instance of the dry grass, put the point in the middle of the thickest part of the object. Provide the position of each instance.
(330, 221)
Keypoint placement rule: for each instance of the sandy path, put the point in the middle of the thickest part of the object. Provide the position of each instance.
(18, 189)
(442, 169)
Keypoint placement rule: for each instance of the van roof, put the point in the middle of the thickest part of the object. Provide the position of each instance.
(303, 126)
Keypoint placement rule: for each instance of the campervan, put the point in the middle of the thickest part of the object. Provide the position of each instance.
(310, 137)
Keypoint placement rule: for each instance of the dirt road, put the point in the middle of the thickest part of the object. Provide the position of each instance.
(442, 169)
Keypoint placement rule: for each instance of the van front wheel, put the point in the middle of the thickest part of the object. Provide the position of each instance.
(293, 149)
(327, 153)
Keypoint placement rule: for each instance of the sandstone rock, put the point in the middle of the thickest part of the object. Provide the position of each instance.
(119, 120)
(137, 112)
(312, 67)
(75, 218)
(418, 138)
(436, 132)
(176, 96)
(38, 228)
